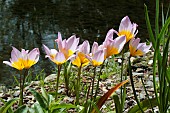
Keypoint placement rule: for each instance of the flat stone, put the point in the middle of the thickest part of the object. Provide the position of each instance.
(49, 78)
(16, 93)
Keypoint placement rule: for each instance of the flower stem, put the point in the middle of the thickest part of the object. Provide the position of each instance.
(133, 87)
(93, 83)
(100, 73)
(78, 86)
(66, 80)
(57, 82)
(22, 81)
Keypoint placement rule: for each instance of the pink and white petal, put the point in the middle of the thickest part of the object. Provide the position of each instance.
(15, 52)
(146, 48)
(70, 41)
(7, 63)
(15, 57)
(125, 24)
(59, 41)
(53, 52)
(134, 29)
(72, 57)
(99, 56)
(85, 47)
(109, 34)
(119, 42)
(60, 57)
(88, 57)
(135, 42)
(34, 54)
(47, 50)
(94, 47)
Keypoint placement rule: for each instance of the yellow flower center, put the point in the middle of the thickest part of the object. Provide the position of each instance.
(111, 51)
(128, 34)
(80, 60)
(134, 51)
(18, 64)
(95, 63)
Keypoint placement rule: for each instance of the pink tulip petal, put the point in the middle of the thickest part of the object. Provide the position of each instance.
(47, 50)
(7, 63)
(99, 56)
(60, 57)
(109, 34)
(84, 47)
(34, 54)
(119, 42)
(94, 47)
(125, 24)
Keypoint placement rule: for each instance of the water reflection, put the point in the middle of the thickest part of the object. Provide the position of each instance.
(29, 23)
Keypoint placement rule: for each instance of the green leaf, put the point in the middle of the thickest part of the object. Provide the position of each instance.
(39, 98)
(37, 108)
(117, 103)
(2, 100)
(44, 93)
(108, 94)
(144, 105)
(22, 109)
(63, 105)
(7, 105)
(149, 27)
(164, 28)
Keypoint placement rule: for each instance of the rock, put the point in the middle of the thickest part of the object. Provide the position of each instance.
(150, 62)
(16, 93)
(49, 78)
(34, 83)
(119, 60)
(3, 89)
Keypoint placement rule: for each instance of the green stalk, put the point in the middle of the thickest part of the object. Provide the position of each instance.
(93, 83)
(123, 96)
(93, 79)
(21, 90)
(147, 95)
(157, 19)
(133, 87)
(22, 81)
(66, 80)
(57, 82)
(78, 86)
(97, 87)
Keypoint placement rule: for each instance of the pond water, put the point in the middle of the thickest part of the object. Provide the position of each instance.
(31, 23)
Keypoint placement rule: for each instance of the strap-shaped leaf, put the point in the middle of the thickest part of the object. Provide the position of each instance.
(22, 109)
(7, 105)
(39, 98)
(108, 94)
(144, 105)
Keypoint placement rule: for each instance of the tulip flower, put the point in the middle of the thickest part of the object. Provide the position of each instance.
(114, 46)
(55, 56)
(127, 28)
(138, 49)
(97, 55)
(80, 59)
(67, 47)
(24, 59)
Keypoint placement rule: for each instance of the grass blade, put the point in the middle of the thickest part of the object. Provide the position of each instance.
(39, 98)
(7, 105)
(149, 27)
(22, 109)
(144, 105)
